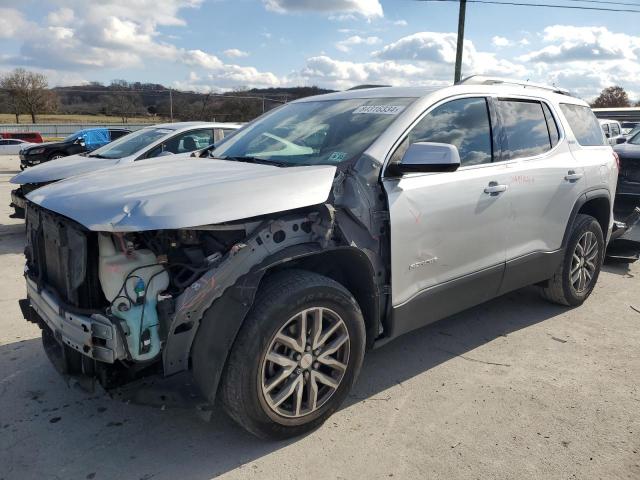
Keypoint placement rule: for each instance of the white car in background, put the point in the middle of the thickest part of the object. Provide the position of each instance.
(160, 140)
(12, 146)
(613, 131)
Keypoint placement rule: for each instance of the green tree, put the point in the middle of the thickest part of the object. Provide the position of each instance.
(612, 97)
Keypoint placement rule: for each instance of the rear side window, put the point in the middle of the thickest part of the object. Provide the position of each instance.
(554, 131)
(525, 129)
(464, 123)
(584, 124)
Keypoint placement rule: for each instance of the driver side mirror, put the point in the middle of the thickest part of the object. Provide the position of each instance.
(80, 141)
(620, 140)
(427, 157)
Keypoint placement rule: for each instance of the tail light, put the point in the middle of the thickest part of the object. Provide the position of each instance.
(617, 158)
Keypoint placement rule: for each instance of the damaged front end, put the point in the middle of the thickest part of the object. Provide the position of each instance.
(119, 306)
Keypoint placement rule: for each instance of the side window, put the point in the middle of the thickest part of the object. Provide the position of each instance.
(184, 142)
(605, 128)
(615, 129)
(4, 142)
(554, 132)
(584, 124)
(525, 128)
(115, 134)
(464, 123)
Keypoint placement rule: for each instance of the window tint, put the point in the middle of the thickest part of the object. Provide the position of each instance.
(605, 128)
(525, 129)
(463, 123)
(554, 132)
(584, 124)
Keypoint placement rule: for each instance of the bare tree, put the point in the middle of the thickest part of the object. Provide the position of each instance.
(612, 97)
(8, 84)
(125, 105)
(29, 92)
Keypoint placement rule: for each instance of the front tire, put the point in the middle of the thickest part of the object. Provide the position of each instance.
(296, 356)
(578, 273)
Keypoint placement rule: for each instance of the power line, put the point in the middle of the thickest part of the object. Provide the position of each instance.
(544, 5)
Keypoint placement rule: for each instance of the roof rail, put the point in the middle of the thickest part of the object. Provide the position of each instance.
(482, 80)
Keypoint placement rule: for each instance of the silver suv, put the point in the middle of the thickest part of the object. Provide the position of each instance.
(327, 227)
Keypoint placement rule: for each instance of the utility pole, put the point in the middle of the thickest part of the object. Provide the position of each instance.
(171, 104)
(461, 15)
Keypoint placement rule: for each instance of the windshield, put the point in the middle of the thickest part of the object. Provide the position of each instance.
(131, 143)
(635, 140)
(311, 133)
(634, 132)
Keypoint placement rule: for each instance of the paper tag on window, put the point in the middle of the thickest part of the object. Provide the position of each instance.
(379, 109)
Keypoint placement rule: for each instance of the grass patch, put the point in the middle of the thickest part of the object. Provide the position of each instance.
(61, 118)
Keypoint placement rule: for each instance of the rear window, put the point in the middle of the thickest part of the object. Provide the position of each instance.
(525, 129)
(584, 124)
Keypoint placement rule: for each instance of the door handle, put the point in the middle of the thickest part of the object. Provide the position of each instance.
(572, 176)
(494, 188)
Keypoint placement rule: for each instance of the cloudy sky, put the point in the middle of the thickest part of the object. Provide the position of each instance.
(223, 44)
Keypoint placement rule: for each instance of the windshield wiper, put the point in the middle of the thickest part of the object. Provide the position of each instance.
(96, 155)
(259, 161)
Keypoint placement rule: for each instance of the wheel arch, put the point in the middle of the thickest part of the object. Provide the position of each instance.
(596, 203)
(214, 340)
(350, 267)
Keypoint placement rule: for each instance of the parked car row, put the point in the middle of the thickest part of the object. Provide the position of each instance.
(150, 142)
(268, 265)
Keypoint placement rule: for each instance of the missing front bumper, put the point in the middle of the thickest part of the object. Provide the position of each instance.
(94, 336)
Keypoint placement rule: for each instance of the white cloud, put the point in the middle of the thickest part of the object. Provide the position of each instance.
(61, 17)
(365, 8)
(235, 53)
(499, 41)
(229, 75)
(524, 42)
(345, 45)
(400, 23)
(569, 43)
(117, 34)
(422, 46)
(12, 23)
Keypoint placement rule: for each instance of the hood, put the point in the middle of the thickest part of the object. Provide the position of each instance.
(43, 144)
(627, 150)
(181, 193)
(62, 168)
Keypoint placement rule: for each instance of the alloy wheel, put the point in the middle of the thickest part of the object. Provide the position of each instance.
(305, 362)
(583, 263)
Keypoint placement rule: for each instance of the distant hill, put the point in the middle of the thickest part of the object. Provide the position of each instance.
(125, 99)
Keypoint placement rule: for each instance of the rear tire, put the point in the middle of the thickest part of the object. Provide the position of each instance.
(578, 272)
(272, 356)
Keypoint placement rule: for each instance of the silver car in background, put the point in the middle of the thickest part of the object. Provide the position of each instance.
(150, 142)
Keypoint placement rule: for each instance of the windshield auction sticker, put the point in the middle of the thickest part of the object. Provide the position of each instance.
(379, 109)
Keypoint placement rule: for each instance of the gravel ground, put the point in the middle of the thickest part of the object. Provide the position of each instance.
(516, 388)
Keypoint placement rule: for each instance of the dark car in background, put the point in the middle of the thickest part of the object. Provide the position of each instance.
(629, 176)
(81, 141)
